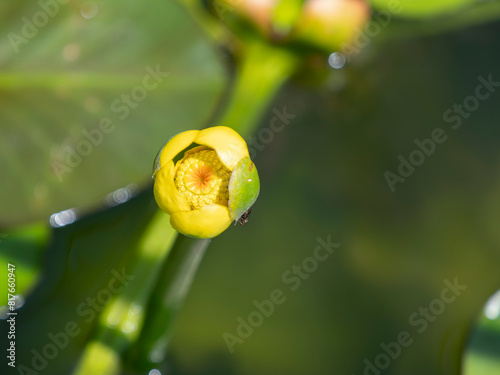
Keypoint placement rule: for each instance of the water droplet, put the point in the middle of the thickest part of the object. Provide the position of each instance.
(113, 320)
(154, 372)
(492, 308)
(156, 356)
(60, 219)
(3, 312)
(121, 195)
(134, 309)
(336, 60)
(19, 301)
(89, 10)
(129, 327)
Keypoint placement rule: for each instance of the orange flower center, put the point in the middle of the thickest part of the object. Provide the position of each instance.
(202, 178)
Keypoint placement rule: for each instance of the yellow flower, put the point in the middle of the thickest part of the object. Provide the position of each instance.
(210, 186)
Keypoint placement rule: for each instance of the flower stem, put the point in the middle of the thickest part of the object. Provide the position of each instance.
(262, 71)
(177, 274)
(121, 321)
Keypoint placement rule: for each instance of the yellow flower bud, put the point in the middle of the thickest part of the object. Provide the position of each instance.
(211, 185)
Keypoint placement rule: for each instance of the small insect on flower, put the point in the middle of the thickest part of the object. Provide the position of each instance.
(204, 179)
(244, 218)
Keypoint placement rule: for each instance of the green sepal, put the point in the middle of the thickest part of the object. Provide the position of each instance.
(244, 187)
(156, 164)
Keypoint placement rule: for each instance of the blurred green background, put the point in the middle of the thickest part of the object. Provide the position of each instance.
(322, 175)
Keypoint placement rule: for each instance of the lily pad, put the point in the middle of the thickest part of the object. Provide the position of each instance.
(89, 91)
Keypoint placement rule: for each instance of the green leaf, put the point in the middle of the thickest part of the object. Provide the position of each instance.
(176, 276)
(88, 263)
(86, 102)
(128, 309)
(23, 248)
(481, 352)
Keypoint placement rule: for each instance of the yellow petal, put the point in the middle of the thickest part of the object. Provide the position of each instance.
(206, 222)
(166, 194)
(228, 144)
(176, 144)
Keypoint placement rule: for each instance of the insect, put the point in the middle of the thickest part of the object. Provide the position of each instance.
(244, 218)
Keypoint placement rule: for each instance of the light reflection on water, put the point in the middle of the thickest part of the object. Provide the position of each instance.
(89, 10)
(60, 219)
(121, 195)
(492, 307)
(69, 216)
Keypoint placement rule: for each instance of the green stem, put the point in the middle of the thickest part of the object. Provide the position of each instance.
(121, 322)
(177, 274)
(263, 70)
